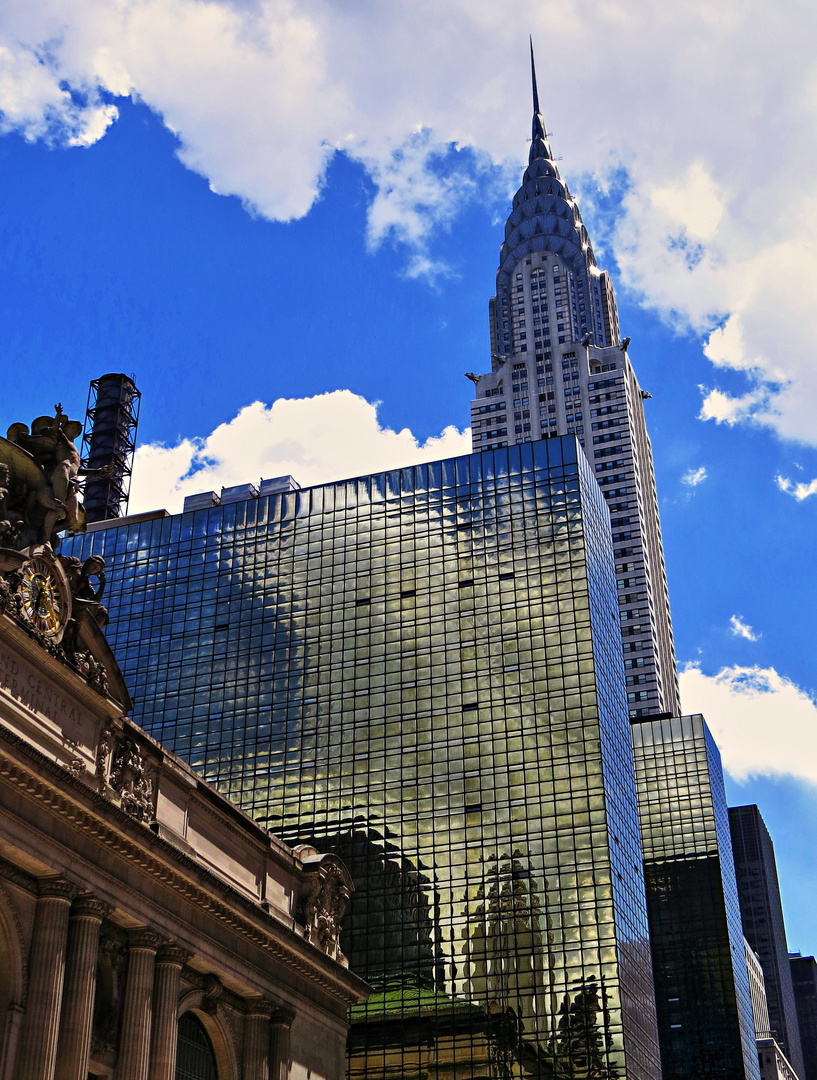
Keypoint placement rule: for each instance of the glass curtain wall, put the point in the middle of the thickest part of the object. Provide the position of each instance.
(421, 670)
(701, 980)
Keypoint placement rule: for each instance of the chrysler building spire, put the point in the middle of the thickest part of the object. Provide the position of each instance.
(539, 147)
(560, 367)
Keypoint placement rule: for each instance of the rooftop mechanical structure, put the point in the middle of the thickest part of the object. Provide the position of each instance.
(109, 441)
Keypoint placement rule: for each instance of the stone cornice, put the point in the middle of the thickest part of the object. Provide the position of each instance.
(237, 913)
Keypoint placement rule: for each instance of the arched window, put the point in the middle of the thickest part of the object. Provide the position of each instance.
(195, 1058)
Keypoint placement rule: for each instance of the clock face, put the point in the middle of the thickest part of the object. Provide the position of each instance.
(42, 594)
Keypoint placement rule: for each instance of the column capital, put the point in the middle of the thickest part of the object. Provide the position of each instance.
(278, 1015)
(282, 1016)
(174, 954)
(258, 1006)
(145, 938)
(56, 888)
(86, 906)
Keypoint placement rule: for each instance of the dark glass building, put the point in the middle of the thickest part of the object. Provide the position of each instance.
(421, 670)
(804, 983)
(705, 1024)
(761, 913)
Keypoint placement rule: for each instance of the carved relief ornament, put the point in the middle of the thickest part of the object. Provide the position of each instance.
(322, 907)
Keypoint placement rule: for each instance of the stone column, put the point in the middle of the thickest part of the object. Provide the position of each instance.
(281, 1021)
(170, 960)
(74, 1048)
(46, 974)
(134, 1043)
(14, 1020)
(257, 1039)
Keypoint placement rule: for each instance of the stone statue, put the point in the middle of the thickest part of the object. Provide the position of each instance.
(55, 598)
(81, 577)
(39, 481)
(9, 519)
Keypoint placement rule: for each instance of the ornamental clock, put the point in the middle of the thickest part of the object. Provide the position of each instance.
(45, 595)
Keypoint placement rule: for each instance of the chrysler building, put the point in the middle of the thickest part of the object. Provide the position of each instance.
(559, 366)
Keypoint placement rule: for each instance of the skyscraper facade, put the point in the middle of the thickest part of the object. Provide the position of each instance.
(420, 670)
(804, 982)
(762, 915)
(773, 1063)
(757, 992)
(558, 365)
(703, 1001)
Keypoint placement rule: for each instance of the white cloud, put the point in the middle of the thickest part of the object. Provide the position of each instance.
(726, 409)
(693, 205)
(798, 490)
(763, 723)
(742, 629)
(328, 437)
(693, 477)
(715, 127)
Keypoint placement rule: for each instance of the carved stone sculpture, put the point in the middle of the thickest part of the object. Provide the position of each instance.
(130, 781)
(103, 750)
(212, 991)
(86, 594)
(322, 907)
(10, 599)
(39, 485)
(57, 599)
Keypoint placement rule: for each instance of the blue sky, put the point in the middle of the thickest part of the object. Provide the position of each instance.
(368, 268)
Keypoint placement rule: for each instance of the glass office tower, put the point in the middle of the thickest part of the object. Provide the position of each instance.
(421, 670)
(804, 981)
(761, 913)
(702, 994)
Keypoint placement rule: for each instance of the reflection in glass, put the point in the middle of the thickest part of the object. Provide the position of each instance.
(702, 986)
(421, 671)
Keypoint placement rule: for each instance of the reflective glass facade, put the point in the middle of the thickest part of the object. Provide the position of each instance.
(421, 670)
(701, 982)
(761, 913)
